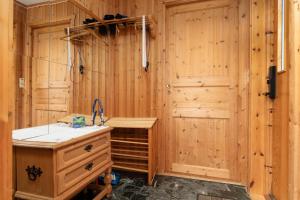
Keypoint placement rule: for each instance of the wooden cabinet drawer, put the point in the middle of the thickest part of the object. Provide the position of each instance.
(73, 176)
(72, 154)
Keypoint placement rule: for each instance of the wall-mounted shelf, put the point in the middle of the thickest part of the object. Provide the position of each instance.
(77, 32)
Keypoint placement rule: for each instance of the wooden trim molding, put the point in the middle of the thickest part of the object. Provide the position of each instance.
(294, 99)
(6, 46)
(178, 2)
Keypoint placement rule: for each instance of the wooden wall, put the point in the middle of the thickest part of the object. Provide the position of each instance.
(6, 40)
(135, 89)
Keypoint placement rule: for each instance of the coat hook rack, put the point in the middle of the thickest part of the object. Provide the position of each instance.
(80, 31)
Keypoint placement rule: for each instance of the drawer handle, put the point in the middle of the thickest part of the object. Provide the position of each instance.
(88, 148)
(33, 172)
(89, 166)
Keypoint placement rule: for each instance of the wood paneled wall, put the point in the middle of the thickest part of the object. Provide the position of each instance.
(6, 44)
(135, 89)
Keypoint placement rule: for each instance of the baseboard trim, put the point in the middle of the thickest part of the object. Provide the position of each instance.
(257, 197)
(197, 177)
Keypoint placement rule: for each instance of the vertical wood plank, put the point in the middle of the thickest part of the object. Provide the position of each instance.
(294, 99)
(258, 72)
(280, 118)
(269, 32)
(244, 23)
(6, 45)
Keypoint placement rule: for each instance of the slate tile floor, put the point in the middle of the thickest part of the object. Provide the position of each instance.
(132, 187)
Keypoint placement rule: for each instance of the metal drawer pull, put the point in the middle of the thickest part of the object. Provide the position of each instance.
(89, 166)
(88, 148)
(33, 172)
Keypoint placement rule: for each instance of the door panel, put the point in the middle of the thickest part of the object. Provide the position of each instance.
(50, 77)
(202, 99)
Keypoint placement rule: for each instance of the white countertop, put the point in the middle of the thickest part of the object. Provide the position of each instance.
(58, 132)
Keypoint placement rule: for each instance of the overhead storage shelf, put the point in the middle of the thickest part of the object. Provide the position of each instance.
(77, 32)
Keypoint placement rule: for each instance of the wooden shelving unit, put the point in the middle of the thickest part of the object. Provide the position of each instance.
(133, 143)
(77, 32)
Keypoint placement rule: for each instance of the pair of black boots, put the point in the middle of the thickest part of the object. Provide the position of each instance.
(112, 28)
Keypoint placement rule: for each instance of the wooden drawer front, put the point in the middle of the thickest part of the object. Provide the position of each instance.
(73, 176)
(80, 151)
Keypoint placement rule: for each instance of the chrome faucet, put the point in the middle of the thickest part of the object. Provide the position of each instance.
(100, 111)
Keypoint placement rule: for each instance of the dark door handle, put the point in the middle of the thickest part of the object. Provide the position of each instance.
(88, 148)
(89, 166)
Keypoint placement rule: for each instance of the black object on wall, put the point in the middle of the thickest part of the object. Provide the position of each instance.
(88, 21)
(272, 82)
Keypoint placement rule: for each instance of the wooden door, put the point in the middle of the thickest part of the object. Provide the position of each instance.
(50, 75)
(202, 89)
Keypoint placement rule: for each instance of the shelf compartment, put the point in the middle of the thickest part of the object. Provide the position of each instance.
(130, 136)
(130, 133)
(132, 139)
(123, 167)
(129, 142)
(125, 146)
(130, 164)
(137, 152)
(138, 157)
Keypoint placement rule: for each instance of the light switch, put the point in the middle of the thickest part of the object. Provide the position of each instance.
(21, 82)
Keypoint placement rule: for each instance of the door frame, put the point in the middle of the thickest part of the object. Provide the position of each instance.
(27, 70)
(6, 58)
(243, 90)
(294, 101)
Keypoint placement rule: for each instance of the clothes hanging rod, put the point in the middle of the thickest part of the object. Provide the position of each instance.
(86, 29)
(128, 21)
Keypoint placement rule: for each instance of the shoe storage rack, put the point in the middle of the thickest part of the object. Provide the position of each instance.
(134, 145)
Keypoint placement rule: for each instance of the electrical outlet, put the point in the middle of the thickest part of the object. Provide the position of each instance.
(21, 82)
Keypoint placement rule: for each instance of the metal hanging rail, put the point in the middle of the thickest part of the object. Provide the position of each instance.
(87, 29)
